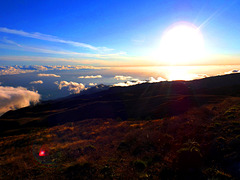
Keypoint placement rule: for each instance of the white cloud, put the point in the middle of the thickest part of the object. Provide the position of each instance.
(130, 83)
(120, 77)
(5, 70)
(152, 79)
(233, 71)
(50, 50)
(5, 40)
(13, 98)
(36, 82)
(90, 77)
(72, 86)
(137, 81)
(51, 38)
(48, 75)
(92, 84)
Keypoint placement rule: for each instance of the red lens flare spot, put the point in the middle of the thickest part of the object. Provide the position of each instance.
(42, 153)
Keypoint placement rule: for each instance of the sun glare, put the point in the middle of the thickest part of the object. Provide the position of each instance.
(182, 73)
(181, 44)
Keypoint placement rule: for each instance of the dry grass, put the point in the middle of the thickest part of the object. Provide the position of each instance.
(111, 149)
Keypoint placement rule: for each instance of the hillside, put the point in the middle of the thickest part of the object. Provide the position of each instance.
(166, 130)
(144, 101)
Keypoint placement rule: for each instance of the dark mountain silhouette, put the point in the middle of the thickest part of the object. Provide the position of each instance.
(142, 102)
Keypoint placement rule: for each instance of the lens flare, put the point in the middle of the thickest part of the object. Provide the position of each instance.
(42, 153)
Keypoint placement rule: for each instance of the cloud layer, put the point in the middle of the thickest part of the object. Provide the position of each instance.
(130, 83)
(48, 75)
(5, 70)
(153, 80)
(72, 86)
(90, 77)
(36, 82)
(13, 98)
(120, 77)
(137, 81)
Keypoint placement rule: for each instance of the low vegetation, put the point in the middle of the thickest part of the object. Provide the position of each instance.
(202, 143)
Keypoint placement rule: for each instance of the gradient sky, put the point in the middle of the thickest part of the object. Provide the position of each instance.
(111, 32)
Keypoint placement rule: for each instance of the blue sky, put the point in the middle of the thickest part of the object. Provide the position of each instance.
(111, 32)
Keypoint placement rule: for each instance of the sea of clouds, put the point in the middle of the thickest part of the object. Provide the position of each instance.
(12, 98)
(6, 70)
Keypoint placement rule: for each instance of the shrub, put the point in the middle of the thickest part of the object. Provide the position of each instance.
(139, 165)
(217, 149)
(89, 149)
(189, 156)
(214, 173)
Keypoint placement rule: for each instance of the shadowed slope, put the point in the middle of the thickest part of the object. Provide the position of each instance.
(144, 101)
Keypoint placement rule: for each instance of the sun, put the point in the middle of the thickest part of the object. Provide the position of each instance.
(181, 44)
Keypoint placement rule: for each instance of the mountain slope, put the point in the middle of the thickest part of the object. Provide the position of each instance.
(202, 143)
(167, 130)
(144, 101)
